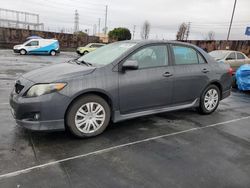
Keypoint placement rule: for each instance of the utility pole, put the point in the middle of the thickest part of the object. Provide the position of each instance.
(106, 17)
(99, 25)
(76, 22)
(94, 29)
(188, 30)
(134, 32)
(229, 29)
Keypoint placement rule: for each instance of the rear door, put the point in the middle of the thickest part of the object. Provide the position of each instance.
(241, 59)
(232, 61)
(151, 84)
(191, 74)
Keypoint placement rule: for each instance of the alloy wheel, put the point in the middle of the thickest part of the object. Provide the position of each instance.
(90, 117)
(211, 99)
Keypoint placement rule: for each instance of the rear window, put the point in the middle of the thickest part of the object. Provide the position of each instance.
(240, 56)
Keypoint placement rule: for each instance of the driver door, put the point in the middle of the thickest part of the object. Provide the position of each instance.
(149, 86)
(31, 46)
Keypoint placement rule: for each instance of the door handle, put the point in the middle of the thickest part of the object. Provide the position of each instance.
(167, 74)
(205, 70)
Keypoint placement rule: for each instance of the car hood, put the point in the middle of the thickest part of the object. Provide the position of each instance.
(58, 72)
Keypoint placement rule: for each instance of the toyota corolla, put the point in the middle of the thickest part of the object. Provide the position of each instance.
(119, 81)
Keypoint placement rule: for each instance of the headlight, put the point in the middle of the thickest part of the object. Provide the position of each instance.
(42, 89)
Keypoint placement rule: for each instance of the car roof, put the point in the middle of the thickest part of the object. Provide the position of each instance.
(228, 51)
(96, 43)
(156, 41)
(145, 42)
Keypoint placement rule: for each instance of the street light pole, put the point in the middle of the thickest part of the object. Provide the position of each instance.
(229, 29)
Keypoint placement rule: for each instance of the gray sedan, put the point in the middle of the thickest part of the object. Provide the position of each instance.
(119, 81)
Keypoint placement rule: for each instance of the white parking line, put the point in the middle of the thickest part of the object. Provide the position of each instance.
(5, 103)
(26, 170)
(6, 88)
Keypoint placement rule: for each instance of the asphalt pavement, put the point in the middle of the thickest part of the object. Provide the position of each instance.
(176, 149)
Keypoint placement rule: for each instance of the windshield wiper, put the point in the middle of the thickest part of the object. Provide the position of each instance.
(84, 62)
(80, 62)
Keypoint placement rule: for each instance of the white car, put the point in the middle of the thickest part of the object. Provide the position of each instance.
(234, 58)
(38, 46)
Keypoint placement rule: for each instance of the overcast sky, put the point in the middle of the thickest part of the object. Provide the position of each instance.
(165, 16)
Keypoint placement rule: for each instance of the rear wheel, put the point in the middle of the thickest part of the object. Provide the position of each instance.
(209, 100)
(23, 52)
(52, 52)
(88, 116)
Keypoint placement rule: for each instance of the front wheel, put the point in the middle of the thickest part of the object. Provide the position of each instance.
(23, 52)
(88, 116)
(209, 100)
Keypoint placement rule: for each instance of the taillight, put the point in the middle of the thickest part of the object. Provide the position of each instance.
(230, 71)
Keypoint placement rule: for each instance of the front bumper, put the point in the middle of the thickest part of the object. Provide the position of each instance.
(16, 51)
(43, 113)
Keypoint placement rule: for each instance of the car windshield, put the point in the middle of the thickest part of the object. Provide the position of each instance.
(107, 54)
(218, 54)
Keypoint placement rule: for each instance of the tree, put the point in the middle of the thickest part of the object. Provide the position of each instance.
(145, 30)
(119, 34)
(80, 33)
(182, 32)
(211, 35)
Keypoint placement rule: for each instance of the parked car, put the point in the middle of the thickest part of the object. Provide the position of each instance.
(243, 77)
(88, 48)
(234, 58)
(38, 46)
(120, 81)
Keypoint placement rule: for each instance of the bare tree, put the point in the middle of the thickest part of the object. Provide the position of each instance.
(211, 35)
(145, 30)
(182, 32)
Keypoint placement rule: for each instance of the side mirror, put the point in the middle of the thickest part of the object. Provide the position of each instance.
(130, 65)
(229, 58)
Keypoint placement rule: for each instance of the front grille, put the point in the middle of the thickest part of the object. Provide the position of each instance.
(18, 88)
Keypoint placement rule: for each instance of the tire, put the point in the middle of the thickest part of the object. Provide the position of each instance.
(92, 125)
(209, 100)
(85, 52)
(23, 52)
(52, 53)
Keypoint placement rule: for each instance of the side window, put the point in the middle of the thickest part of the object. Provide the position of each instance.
(151, 56)
(231, 56)
(201, 59)
(185, 55)
(240, 56)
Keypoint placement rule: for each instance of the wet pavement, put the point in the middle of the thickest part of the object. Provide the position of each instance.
(177, 149)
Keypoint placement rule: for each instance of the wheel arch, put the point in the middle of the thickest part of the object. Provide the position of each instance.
(99, 93)
(218, 84)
